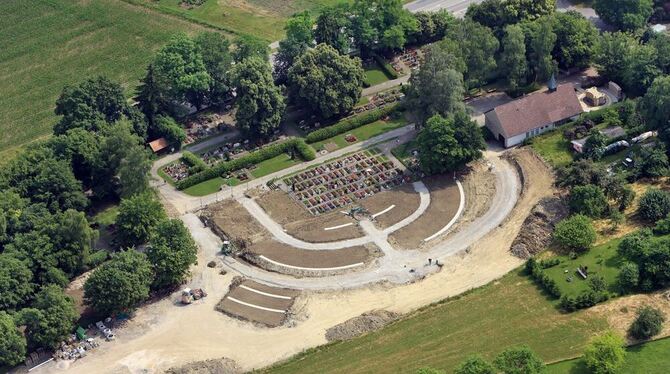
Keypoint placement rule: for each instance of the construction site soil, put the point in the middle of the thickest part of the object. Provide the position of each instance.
(218, 366)
(357, 326)
(313, 263)
(537, 229)
(235, 222)
(405, 199)
(254, 302)
(444, 202)
(301, 224)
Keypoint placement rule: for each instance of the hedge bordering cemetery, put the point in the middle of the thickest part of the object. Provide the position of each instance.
(298, 145)
(350, 124)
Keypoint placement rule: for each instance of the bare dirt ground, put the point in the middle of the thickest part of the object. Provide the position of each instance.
(538, 228)
(405, 199)
(231, 218)
(218, 366)
(444, 202)
(622, 311)
(247, 313)
(173, 336)
(300, 224)
(479, 185)
(360, 325)
(286, 254)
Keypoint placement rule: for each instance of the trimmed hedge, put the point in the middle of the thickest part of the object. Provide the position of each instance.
(385, 66)
(195, 163)
(350, 124)
(297, 144)
(534, 269)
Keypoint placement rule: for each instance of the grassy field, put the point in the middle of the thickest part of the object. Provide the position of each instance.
(553, 148)
(210, 186)
(273, 165)
(262, 18)
(363, 133)
(648, 358)
(486, 320)
(374, 75)
(48, 44)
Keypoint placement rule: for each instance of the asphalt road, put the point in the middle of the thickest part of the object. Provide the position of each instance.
(457, 7)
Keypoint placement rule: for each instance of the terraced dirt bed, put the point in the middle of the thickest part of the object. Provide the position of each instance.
(404, 199)
(444, 202)
(282, 258)
(235, 221)
(298, 222)
(255, 302)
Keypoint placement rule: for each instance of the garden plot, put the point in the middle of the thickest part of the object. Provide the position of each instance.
(255, 302)
(341, 182)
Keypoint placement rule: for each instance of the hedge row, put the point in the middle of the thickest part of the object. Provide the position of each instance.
(195, 163)
(386, 67)
(350, 124)
(534, 269)
(297, 144)
(586, 299)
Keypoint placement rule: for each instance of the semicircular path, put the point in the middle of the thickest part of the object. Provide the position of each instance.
(278, 232)
(395, 266)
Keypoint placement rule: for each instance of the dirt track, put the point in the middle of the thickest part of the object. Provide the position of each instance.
(173, 336)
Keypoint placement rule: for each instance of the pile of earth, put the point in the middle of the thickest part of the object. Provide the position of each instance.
(536, 231)
(360, 325)
(219, 366)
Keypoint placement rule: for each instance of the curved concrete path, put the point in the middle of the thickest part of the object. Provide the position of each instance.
(395, 266)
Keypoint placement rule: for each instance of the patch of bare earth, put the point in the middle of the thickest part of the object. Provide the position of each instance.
(444, 202)
(621, 312)
(301, 224)
(363, 324)
(218, 366)
(479, 186)
(326, 260)
(537, 229)
(235, 222)
(405, 199)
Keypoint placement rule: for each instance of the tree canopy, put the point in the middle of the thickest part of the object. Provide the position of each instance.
(12, 343)
(605, 353)
(299, 38)
(626, 15)
(51, 318)
(326, 82)
(575, 233)
(446, 144)
(171, 252)
(519, 360)
(138, 216)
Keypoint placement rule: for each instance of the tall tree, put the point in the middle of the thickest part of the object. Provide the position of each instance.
(51, 318)
(12, 342)
(299, 38)
(332, 28)
(326, 82)
(605, 353)
(181, 73)
(446, 144)
(73, 239)
(542, 39)
(138, 216)
(150, 97)
(16, 282)
(475, 364)
(655, 106)
(119, 284)
(215, 51)
(513, 64)
(478, 47)
(380, 24)
(248, 46)
(171, 252)
(519, 360)
(576, 38)
(260, 104)
(661, 43)
(626, 15)
(134, 171)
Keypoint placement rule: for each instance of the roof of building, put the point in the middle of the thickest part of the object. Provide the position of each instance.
(537, 110)
(158, 144)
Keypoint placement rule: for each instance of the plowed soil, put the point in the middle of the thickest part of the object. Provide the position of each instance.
(405, 199)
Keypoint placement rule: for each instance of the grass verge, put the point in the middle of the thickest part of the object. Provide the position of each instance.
(362, 133)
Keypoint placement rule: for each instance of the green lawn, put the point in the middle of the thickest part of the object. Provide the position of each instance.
(374, 75)
(648, 358)
(553, 148)
(107, 216)
(262, 18)
(210, 186)
(485, 321)
(403, 151)
(601, 260)
(363, 133)
(274, 164)
(48, 44)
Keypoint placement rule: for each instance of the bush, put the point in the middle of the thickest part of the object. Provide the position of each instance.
(97, 258)
(386, 68)
(589, 200)
(534, 269)
(550, 263)
(305, 151)
(629, 277)
(195, 163)
(662, 227)
(654, 205)
(575, 233)
(350, 124)
(648, 323)
(605, 354)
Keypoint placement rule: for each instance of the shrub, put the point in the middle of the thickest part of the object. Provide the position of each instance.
(629, 277)
(385, 66)
(575, 233)
(568, 303)
(605, 354)
(550, 263)
(589, 200)
(534, 269)
(194, 162)
(305, 151)
(97, 258)
(597, 283)
(654, 205)
(350, 124)
(662, 227)
(648, 323)
(519, 360)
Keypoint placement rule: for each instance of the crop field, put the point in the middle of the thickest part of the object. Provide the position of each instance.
(261, 18)
(48, 44)
(504, 313)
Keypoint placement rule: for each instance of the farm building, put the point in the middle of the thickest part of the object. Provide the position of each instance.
(514, 122)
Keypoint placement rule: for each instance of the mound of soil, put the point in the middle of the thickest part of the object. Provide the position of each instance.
(536, 231)
(360, 325)
(220, 366)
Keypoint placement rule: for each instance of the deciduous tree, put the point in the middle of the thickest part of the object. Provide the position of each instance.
(513, 64)
(171, 252)
(575, 233)
(16, 282)
(649, 322)
(299, 38)
(138, 216)
(519, 360)
(627, 15)
(605, 354)
(12, 343)
(51, 318)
